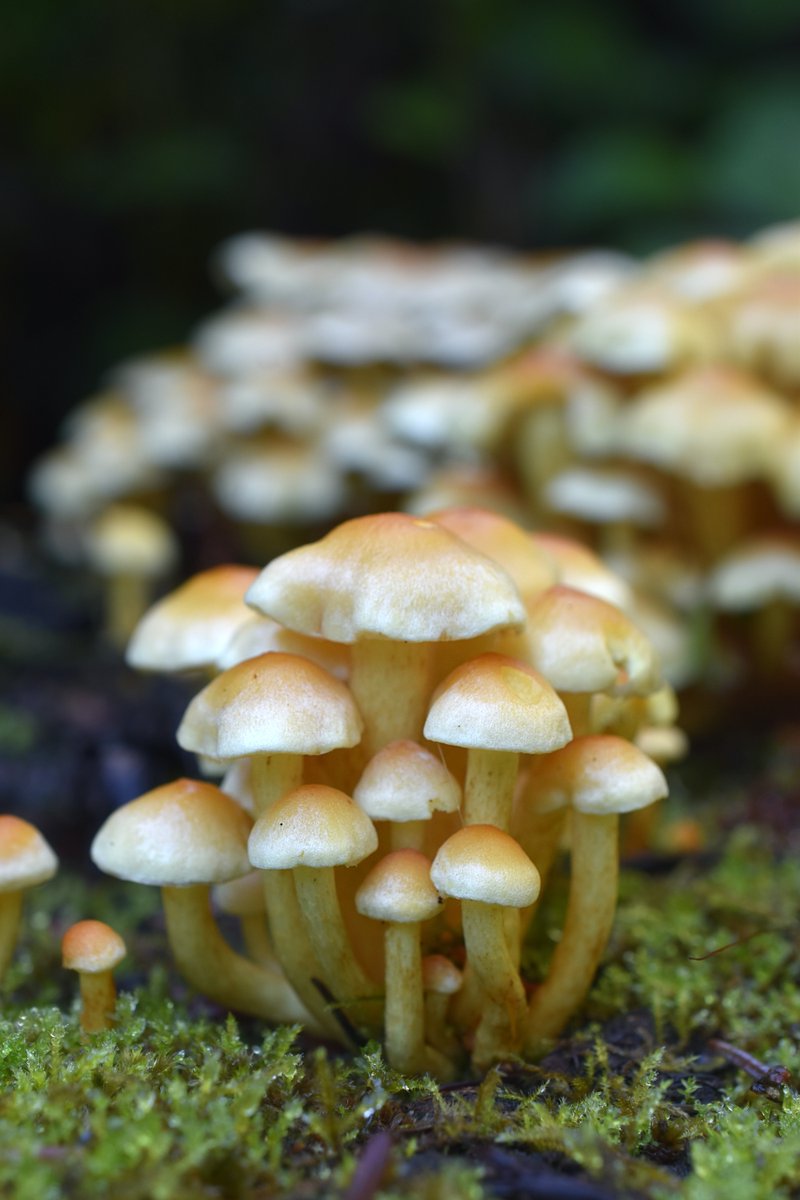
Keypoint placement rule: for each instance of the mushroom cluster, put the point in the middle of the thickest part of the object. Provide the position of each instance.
(647, 407)
(417, 721)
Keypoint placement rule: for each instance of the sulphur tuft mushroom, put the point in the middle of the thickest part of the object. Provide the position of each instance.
(94, 949)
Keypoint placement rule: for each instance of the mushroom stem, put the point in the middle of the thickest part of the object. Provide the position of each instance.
(489, 787)
(322, 914)
(272, 776)
(98, 1000)
(405, 1009)
(10, 917)
(293, 947)
(540, 834)
(390, 682)
(209, 964)
(501, 1025)
(255, 935)
(579, 708)
(590, 916)
(127, 598)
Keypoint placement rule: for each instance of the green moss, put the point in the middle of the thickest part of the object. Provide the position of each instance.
(176, 1102)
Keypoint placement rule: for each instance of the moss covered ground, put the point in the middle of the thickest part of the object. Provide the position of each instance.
(181, 1100)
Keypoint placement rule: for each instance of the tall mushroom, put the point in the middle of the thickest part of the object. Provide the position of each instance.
(310, 831)
(399, 892)
(488, 871)
(601, 776)
(183, 837)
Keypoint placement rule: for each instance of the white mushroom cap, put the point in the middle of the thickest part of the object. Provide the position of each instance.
(405, 782)
(496, 703)
(599, 774)
(92, 947)
(399, 889)
(179, 834)
(275, 703)
(757, 572)
(312, 826)
(482, 863)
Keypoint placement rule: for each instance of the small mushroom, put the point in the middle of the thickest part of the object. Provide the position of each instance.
(93, 949)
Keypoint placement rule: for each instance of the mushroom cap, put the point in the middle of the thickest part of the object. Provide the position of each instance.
(25, 857)
(505, 542)
(92, 947)
(757, 572)
(441, 975)
(600, 495)
(130, 539)
(275, 703)
(600, 774)
(582, 644)
(260, 635)
(183, 833)
(390, 575)
(242, 897)
(580, 568)
(481, 862)
(714, 425)
(399, 889)
(312, 826)
(497, 703)
(405, 782)
(191, 626)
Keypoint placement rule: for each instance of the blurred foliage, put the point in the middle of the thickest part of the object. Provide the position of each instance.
(138, 135)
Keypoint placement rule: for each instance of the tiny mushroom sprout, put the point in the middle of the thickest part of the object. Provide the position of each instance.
(25, 860)
(188, 629)
(309, 832)
(389, 585)
(601, 776)
(275, 708)
(399, 892)
(498, 708)
(183, 837)
(488, 871)
(406, 784)
(94, 949)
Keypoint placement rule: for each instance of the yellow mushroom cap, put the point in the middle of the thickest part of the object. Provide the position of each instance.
(25, 857)
(312, 826)
(505, 542)
(183, 833)
(275, 703)
(440, 975)
(130, 539)
(405, 782)
(399, 889)
(390, 575)
(581, 644)
(481, 862)
(191, 626)
(92, 947)
(580, 568)
(497, 703)
(599, 774)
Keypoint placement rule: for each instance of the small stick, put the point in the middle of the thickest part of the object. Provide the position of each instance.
(769, 1079)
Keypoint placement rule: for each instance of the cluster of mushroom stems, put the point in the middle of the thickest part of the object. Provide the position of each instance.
(404, 715)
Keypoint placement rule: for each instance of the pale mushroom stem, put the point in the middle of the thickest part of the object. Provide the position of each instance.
(391, 683)
(489, 787)
(590, 916)
(717, 517)
(438, 1029)
(127, 598)
(408, 835)
(405, 1008)
(578, 706)
(293, 948)
(10, 917)
(501, 1026)
(255, 935)
(272, 776)
(209, 964)
(98, 1001)
(343, 974)
(540, 835)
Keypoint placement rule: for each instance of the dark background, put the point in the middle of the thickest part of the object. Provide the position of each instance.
(137, 135)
